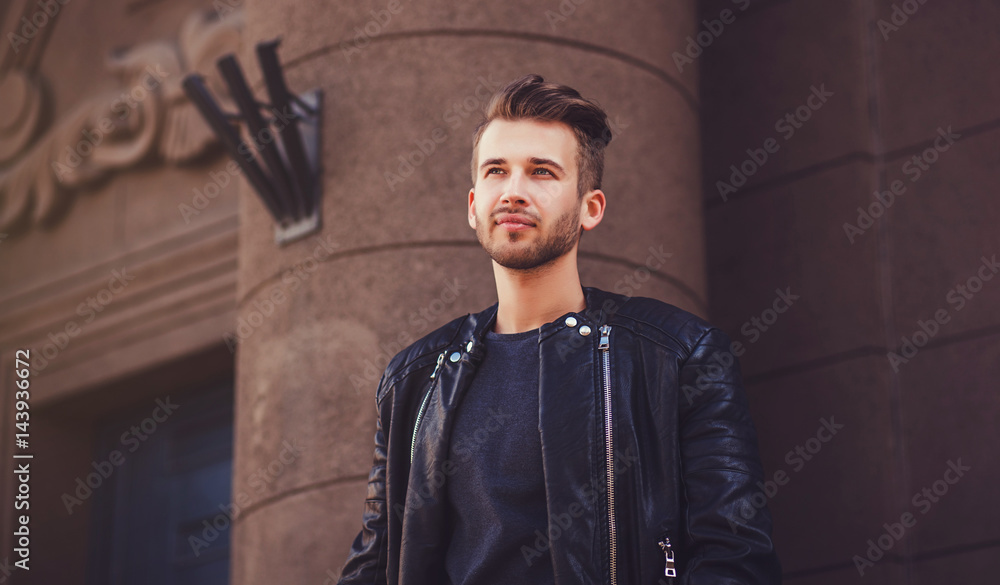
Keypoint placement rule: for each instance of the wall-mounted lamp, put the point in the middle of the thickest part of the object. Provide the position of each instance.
(288, 140)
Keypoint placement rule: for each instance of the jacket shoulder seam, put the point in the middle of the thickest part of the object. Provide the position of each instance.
(687, 350)
(394, 374)
(696, 344)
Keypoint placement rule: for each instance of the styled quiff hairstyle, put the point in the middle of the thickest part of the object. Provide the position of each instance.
(531, 98)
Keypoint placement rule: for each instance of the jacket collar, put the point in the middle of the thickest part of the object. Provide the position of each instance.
(601, 306)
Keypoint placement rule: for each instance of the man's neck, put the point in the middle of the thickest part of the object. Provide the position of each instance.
(530, 299)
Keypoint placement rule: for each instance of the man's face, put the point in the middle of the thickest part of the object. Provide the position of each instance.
(524, 205)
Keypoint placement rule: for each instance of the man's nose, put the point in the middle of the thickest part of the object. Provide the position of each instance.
(514, 199)
(514, 192)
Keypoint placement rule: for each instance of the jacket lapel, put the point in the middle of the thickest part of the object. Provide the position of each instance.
(424, 531)
(571, 433)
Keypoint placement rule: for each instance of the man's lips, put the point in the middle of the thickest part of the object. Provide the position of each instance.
(513, 221)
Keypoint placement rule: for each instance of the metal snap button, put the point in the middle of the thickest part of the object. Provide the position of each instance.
(455, 356)
(468, 346)
(585, 330)
(571, 321)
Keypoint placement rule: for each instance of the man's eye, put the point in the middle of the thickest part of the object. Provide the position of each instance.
(490, 170)
(544, 171)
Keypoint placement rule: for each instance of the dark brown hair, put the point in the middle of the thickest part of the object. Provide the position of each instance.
(532, 98)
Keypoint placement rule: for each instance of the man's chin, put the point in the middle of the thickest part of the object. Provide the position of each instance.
(520, 259)
(520, 264)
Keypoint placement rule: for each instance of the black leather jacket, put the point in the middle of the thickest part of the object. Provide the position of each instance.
(631, 384)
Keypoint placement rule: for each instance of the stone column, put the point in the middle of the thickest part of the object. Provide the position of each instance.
(404, 86)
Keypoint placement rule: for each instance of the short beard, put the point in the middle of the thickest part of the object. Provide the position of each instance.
(564, 235)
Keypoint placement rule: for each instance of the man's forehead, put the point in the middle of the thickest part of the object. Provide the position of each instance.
(528, 139)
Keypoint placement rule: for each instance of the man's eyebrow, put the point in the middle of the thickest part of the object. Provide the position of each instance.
(535, 160)
(547, 161)
(492, 161)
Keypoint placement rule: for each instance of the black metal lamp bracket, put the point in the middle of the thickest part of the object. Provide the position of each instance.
(288, 141)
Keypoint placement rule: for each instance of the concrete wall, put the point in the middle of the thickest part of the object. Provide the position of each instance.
(863, 290)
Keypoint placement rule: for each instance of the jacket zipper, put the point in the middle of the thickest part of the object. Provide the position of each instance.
(604, 346)
(670, 568)
(423, 405)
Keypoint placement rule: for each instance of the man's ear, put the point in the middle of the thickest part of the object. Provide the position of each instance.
(472, 208)
(592, 209)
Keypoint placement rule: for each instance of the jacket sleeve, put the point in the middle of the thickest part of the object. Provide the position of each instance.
(727, 524)
(366, 562)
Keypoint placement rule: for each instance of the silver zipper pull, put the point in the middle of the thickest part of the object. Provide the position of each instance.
(605, 331)
(438, 366)
(668, 553)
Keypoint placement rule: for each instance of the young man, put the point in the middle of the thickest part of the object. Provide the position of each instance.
(565, 434)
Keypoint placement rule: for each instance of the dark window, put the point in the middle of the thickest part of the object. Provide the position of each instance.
(163, 517)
